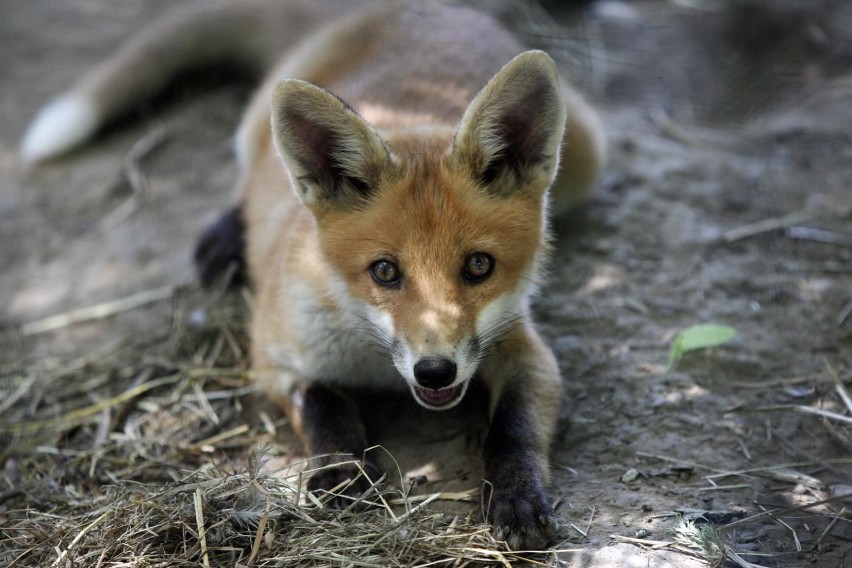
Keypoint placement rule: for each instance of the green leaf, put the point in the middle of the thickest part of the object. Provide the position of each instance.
(701, 336)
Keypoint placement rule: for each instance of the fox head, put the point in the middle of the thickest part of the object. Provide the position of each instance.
(436, 235)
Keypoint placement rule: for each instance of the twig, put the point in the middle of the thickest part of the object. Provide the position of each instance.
(833, 522)
(844, 313)
(678, 460)
(739, 560)
(772, 467)
(205, 404)
(642, 541)
(770, 224)
(258, 536)
(85, 412)
(806, 410)
(23, 388)
(465, 495)
(772, 383)
(132, 173)
(416, 508)
(788, 527)
(588, 525)
(202, 535)
(98, 311)
(495, 553)
(671, 129)
(374, 485)
(724, 487)
(221, 436)
(787, 475)
(838, 385)
(772, 512)
(819, 235)
(79, 537)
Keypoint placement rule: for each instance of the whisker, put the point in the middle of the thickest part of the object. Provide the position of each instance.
(379, 340)
(493, 335)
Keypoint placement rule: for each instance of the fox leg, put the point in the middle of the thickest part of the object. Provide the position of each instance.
(517, 445)
(221, 249)
(329, 423)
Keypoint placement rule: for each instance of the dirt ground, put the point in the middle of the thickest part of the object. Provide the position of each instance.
(720, 116)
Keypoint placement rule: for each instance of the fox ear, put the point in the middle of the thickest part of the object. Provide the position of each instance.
(334, 157)
(511, 134)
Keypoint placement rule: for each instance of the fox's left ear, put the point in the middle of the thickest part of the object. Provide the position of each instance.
(511, 134)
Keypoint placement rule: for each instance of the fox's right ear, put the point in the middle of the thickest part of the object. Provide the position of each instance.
(335, 158)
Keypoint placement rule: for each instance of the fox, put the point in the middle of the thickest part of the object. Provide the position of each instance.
(399, 165)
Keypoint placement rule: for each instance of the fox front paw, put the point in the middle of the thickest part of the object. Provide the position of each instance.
(344, 483)
(524, 518)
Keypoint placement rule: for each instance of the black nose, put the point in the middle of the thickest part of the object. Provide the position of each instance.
(435, 373)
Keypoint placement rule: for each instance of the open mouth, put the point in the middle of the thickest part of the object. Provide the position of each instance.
(441, 397)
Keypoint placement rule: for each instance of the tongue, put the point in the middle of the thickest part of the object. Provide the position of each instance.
(439, 397)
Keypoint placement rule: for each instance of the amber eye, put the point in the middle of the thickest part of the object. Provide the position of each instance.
(385, 273)
(478, 267)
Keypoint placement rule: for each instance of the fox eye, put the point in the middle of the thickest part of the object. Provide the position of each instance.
(478, 267)
(385, 273)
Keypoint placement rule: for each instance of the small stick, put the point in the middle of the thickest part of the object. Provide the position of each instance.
(819, 235)
(87, 411)
(199, 521)
(79, 537)
(772, 512)
(23, 389)
(739, 560)
(770, 224)
(366, 493)
(838, 385)
(781, 522)
(643, 541)
(678, 460)
(724, 487)
(831, 525)
(205, 404)
(258, 536)
(405, 515)
(589, 526)
(671, 129)
(98, 311)
(133, 175)
(844, 313)
(221, 436)
(806, 410)
(495, 553)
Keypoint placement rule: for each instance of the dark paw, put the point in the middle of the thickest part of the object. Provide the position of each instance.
(220, 250)
(523, 517)
(339, 486)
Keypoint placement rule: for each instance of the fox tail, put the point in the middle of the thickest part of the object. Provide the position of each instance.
(248, 34)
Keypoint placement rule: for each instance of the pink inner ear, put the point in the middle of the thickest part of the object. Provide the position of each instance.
(524, 124)
(313, 144)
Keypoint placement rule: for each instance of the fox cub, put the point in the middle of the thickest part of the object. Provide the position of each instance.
(398, 166)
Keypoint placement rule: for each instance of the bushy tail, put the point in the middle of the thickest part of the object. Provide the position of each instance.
(250, 33)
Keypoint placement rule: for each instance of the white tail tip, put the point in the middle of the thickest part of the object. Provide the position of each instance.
(59, 126)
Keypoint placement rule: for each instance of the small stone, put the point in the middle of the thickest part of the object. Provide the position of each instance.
(630, 475)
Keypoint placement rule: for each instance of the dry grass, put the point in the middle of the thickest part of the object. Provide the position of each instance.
(143, 453)
(147, 452)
